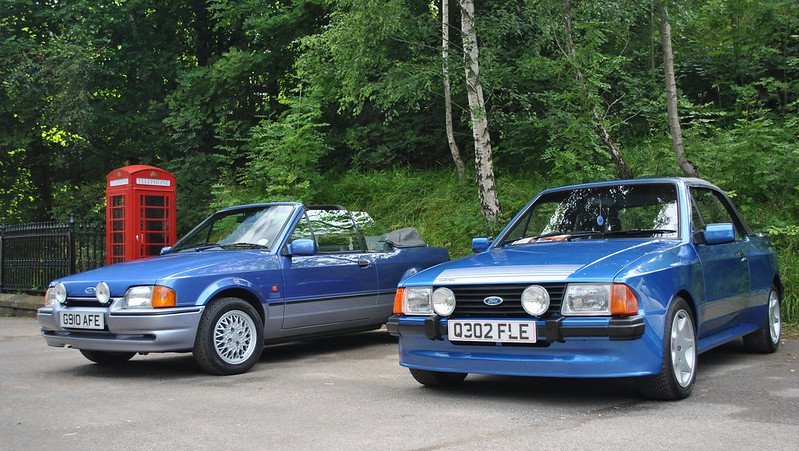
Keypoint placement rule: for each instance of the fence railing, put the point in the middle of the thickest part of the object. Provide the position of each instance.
(33, 254)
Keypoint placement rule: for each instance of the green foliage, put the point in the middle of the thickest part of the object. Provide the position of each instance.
(252, 100)
(285, 154)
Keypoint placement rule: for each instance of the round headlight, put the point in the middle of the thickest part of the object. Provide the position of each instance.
(103, 293)
(535, 300)
(443, 301)
(60, 292)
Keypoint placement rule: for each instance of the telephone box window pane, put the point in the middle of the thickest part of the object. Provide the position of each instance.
(154, 213)
(118, 201)
(154, 201)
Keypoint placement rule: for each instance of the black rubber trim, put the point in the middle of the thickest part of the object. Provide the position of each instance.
(630, 328)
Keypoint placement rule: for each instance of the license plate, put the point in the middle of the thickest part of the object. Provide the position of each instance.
(82, 320)
(495, 331)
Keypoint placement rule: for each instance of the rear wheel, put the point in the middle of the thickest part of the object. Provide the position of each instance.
(767, 340)
(107, 357)
(229, 337)
(678, 370)
(437, 378)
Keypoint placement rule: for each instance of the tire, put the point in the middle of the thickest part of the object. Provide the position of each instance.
(678, 370)
(107, 357)
(229, 337)
(437, 378)
(767, 339)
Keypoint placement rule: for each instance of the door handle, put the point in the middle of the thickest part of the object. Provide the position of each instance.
(363, 263)
(742, 256)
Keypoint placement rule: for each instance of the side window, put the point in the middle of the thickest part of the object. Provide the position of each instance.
(334, 231)
(709, 208)
(373, 233)
(302, 231)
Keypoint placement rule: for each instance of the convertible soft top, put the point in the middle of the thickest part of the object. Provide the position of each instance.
(407, 237)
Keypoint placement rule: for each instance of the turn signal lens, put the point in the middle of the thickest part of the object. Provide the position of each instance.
(398, 301)
(623, 301)
(164, 297)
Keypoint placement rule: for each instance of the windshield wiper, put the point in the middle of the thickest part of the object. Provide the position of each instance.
(196, 246)
(556, 236)
(641, 232)
(243, 246)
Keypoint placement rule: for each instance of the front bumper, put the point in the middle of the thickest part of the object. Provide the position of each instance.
(161, 330)
(435, 327)
(565, 347)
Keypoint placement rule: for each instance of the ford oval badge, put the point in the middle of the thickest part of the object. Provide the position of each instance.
(493, 300)
(90, 290)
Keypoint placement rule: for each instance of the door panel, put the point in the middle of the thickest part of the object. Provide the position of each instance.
(329, 289)
(725, 267)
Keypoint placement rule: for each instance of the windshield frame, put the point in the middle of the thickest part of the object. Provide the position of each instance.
(504, 240)
(195, 241)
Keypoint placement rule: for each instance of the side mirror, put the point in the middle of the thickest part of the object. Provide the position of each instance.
(302, 247)
(165, 250)
(479, 244)
(719, 233)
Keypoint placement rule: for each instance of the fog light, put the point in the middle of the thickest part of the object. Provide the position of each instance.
(443, 301)
(103, 293)
(535, 300)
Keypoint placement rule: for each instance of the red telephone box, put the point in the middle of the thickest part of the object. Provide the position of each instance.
(140, 212)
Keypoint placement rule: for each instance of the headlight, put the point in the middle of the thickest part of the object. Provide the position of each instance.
(58, 293)
(146, 297)
(416, 300)
(443, 301)
(103, 293)
(586, 299)
(535, 300)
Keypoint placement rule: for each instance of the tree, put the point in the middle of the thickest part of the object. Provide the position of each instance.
(453, 146)
(486, 185)
(599, 119)
(671, 95)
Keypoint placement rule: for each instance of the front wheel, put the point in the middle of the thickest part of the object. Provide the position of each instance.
(107, 357)
(229, 337)
(437, 378)
(767, 340)
(678, 370)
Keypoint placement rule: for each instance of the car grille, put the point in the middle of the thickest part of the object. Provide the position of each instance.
(469, 300)
(85, 302)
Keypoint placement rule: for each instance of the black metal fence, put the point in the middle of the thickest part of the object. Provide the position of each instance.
(33, 254)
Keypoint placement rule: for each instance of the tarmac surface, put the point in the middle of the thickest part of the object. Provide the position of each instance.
(350, 393)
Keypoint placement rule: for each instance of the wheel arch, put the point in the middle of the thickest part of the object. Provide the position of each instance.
(686, 296)
(245, 295)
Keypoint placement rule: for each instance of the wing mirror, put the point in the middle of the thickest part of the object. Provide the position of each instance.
(719, 233)
(479, 244)
(302, 247)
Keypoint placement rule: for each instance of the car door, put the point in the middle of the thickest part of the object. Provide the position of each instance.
(335, 288)
(725, 268)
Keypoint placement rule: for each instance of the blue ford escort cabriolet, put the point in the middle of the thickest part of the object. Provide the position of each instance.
(246, 276)
(629, 278)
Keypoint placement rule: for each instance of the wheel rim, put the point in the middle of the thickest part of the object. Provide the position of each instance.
(774, 319)
(683, 349)
(234, 337)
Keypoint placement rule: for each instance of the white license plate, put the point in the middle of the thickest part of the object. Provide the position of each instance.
(495, 331)
(82, 320)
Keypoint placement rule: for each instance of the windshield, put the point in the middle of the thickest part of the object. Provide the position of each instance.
(603, 212)
(248, 228)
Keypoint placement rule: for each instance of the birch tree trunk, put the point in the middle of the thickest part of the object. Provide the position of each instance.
(486, 186)
(453, 146)
(671, 95)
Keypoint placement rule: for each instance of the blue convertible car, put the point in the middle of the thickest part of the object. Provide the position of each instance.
(627, 278)
(245, 276)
